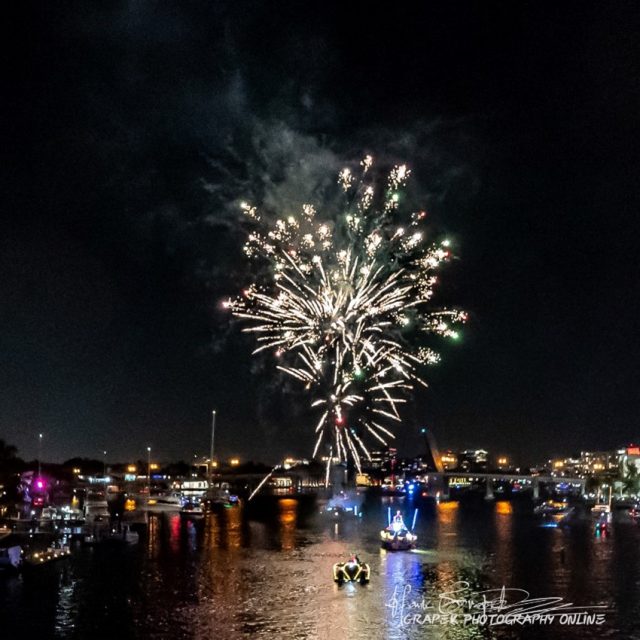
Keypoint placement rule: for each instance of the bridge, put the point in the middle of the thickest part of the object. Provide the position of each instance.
(489, 479)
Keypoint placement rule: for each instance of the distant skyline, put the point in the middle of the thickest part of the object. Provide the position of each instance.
(132, 131)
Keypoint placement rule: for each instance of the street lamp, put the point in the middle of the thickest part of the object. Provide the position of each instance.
(39, 455)
(104, 464)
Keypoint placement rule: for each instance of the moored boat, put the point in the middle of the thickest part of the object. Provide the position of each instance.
(164, 501)
(10, 556)
(52, 554)
(191, 511)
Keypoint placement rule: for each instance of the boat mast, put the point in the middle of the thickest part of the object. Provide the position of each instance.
(213, 428)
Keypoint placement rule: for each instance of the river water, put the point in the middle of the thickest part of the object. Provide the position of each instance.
(231, 577)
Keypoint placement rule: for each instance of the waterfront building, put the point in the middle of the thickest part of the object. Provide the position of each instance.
(569, 467)
(449, 460)
(629, 457)
(473, 460)
(377, 456)
(384, 459)
(289, 463)
(503, 463)
(599, 462)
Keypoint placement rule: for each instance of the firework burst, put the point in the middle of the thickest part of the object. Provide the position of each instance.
(346, 305)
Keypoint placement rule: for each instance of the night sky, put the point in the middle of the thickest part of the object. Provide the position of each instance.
(131, 130)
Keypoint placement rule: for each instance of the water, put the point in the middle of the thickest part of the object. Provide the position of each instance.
(229, 577)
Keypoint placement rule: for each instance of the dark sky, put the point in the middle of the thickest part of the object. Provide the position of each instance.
(131, 130)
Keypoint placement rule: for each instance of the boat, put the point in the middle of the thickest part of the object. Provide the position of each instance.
(339, 513)
(600, 509)
(122, 534)
(50, 513)
(392, 489)
(396, 536)
(232, 501)
(354, 570)
(96, 507)
(554, 513)
(72, 516)
(553, 507)
(344, 505)
(163, 501)
(52, 554)
(10, 556)
(222, 497)
(191, 511)
(602, 524)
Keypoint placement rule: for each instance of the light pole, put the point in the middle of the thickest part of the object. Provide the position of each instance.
(148, 472)
(39, 455)
(104, 464)
(213, 428)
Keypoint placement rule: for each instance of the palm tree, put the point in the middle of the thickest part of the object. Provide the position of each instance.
(631, 480)
(593, 484)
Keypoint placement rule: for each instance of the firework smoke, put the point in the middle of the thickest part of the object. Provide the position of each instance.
(346, 305)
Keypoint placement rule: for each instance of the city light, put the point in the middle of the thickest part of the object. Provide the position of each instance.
(132, 468)
(234, 462)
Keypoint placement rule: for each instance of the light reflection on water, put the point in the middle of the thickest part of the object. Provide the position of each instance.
(230, 577)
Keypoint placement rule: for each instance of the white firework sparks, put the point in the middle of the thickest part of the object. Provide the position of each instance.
(346, 306)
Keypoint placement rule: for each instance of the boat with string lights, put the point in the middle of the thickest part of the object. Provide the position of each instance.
(396, 536)
(354, 570)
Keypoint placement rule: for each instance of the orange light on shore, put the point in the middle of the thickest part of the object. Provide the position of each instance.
(132, 468)
(234, 462)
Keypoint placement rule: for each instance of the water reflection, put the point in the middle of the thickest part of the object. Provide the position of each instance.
(228, 576)
(153, 535)
(174, 531)
(288, 516)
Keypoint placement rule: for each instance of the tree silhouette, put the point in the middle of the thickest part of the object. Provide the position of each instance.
(8, 452)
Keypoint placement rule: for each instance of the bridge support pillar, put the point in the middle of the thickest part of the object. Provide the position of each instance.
(488, 495)
(536, 489)
(445, 488)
